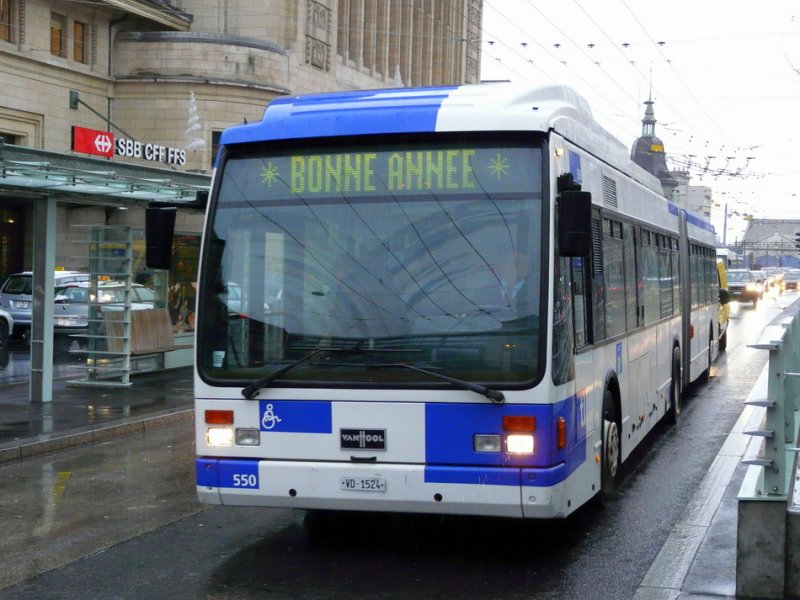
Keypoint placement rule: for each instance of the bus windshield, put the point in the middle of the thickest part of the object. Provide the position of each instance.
(430, 256)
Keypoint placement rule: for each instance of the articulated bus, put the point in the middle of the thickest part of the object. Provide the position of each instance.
(457, 300)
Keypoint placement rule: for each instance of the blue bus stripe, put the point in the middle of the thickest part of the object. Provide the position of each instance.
(498, 476)
(207, 472)
(295, 416)
(472, 475)
(356, 113)
(227, 473)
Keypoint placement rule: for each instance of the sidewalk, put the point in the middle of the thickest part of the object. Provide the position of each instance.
(81, 415)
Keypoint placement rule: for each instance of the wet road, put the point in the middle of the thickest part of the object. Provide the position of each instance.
(121, 521)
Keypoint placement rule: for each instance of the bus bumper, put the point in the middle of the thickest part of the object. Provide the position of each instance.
(496, 492)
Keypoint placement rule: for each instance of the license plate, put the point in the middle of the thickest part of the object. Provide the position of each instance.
(362, 484)
(65, 321)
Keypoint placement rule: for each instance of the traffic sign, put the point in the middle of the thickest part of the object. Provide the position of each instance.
(92, 141)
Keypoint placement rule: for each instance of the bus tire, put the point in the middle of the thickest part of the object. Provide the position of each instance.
(674, 410)
(609, 451)
(706, 375)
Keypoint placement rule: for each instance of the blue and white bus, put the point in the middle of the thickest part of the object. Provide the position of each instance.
(462, 300)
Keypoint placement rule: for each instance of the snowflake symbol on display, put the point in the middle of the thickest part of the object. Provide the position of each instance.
(498, 167)
(269, 174)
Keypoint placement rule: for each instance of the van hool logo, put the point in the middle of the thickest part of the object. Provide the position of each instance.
(363, 439)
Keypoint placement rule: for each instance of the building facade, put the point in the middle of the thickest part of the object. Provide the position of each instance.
(165, 77)
(695, 198)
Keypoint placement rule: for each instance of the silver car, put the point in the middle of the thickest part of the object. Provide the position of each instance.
(16, 296)
(71, 311)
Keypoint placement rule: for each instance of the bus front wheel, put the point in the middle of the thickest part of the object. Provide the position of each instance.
(610, 451)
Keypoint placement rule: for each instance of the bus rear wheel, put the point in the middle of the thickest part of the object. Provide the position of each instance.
(674, 411)
(610, 451)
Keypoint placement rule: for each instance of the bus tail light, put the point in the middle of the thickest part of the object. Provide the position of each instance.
(561, 433)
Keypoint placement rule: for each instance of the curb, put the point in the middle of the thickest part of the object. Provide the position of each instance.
(83, 436)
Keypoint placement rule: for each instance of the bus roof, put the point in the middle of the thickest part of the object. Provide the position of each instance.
(484, 107)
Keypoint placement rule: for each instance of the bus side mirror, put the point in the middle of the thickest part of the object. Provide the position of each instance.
(574, 223)
(159, 229)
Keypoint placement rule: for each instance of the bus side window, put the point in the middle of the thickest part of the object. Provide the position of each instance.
(631, 297)
(563, 357)
(579, 302)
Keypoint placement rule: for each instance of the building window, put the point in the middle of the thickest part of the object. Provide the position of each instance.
(6, 14)
(58, 28)
(215, 135)
(80, 49)
(11, 138)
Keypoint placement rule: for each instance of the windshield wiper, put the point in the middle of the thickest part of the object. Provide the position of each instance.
(251, 390)
(494, 395)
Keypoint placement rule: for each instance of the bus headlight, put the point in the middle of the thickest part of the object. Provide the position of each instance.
(487, 443)
(519, 443)
(248, 437)
(219, 436)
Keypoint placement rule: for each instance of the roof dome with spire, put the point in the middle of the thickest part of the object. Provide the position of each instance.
(648, 151)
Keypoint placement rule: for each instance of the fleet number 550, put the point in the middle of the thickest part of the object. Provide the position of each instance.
(245, 480)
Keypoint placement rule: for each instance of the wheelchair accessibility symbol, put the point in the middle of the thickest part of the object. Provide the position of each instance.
(270, 419)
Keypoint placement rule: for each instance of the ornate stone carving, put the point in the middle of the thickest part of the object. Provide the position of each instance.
(318, 35)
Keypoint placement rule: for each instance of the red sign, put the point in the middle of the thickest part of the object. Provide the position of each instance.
(92, 141)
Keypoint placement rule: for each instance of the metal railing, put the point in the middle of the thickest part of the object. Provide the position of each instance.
(768, 536)
(779, 432)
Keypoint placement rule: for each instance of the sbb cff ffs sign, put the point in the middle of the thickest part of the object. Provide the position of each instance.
(154, 152)
(102, 143)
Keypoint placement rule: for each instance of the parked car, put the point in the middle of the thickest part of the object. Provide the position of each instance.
(742, 286)
(791, 279)
(6, 327)
(72, 302)
(16, 296)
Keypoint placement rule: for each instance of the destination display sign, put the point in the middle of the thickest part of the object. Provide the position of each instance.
(448, 170)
